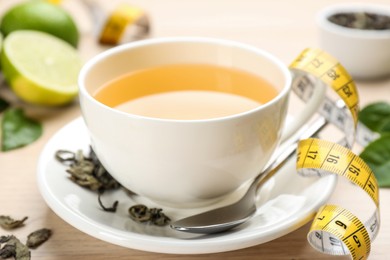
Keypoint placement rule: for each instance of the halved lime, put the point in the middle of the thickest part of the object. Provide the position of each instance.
(40, 68)
(41, 16)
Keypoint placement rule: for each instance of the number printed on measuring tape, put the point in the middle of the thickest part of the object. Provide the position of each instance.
(335, 230)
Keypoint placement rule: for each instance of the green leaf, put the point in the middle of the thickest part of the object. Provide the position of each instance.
(386, 126)
(376, 116)
(3, 105)
(18, 130)
(377, 156)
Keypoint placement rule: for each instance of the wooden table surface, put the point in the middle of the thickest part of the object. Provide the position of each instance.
(283, 27)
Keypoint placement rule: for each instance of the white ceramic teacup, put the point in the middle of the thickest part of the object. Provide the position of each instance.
(187, 163)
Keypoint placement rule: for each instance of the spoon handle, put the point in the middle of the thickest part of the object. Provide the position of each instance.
(287, 150)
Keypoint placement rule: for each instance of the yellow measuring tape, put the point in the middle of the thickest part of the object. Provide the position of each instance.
(125, 22)
(335, 230)
(54, 1)
(123, 17)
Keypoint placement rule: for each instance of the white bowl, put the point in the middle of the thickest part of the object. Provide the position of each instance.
(364, 53)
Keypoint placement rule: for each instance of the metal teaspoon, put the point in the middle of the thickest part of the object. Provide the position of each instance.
(230, 216)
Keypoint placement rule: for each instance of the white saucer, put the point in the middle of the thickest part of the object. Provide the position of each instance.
(288, 202)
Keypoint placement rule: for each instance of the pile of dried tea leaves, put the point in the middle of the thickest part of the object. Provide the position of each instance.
(88, 172)
(10, 246)
(362, 20)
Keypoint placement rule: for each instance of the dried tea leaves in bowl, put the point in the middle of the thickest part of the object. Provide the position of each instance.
(361, 20)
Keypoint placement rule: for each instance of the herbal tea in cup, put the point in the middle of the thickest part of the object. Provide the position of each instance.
(186, 92)
(186, 121)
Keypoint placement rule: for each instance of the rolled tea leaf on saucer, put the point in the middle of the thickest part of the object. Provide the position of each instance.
(142, 214)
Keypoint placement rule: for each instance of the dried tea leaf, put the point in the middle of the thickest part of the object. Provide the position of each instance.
(155, 216)
(104, 177)
(80, 175)
(81, 172)
(15, 248)
(8, 223)
(18, 130)
(65, 156)
(108, 209)
(139, 213)
(158, 217)
(7, 251)
(22, 251)
(38, 237)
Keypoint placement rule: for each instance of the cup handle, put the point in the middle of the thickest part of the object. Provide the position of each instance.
(312, 106)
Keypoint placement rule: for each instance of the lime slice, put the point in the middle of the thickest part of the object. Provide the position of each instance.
(40, 68)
